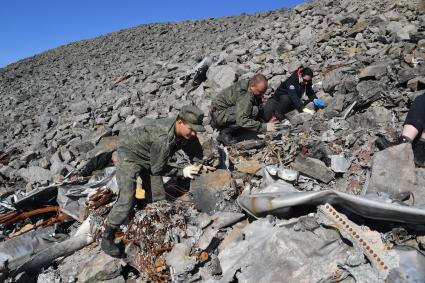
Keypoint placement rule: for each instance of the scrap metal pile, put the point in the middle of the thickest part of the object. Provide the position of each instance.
(315, 202)
(304, 227)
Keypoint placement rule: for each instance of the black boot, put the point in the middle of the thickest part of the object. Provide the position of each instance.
(419, 153)
(382, 142)
(226, 137)
(108, 244)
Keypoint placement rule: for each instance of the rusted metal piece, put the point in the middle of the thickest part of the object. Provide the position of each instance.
(99, 199)
(8, 216)
(382, 258)
(156, 220)
(126, 77)
(17, 216)
(203, 256)
(5, 156)
(333, 68)
(59, 218)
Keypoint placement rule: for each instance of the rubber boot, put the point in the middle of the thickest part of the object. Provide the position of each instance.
(225, 137)
(419, 153)
(108, 244)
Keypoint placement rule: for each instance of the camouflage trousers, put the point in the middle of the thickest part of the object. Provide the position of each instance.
(126, 175)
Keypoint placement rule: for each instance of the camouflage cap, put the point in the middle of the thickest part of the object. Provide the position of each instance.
(193, 116)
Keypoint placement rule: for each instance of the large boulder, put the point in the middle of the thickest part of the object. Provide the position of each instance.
(403, 31)
(393, 170)
(35, 174)
(221, 77)
(368, 92)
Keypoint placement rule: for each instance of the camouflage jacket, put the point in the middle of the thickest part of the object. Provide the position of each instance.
(238, 95)
(152, 146)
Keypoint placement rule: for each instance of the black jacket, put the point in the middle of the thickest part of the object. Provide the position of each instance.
(295, 90)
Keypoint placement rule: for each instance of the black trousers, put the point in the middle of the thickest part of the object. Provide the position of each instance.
(416, 115)
(277, 106)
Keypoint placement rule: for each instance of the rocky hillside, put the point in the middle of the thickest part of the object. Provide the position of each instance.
(59, 108)
(67, 97)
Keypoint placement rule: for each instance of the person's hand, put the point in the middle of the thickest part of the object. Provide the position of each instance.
(207, 168)
(272, 126)
(191, 170)
(319, 103)
(309, 111)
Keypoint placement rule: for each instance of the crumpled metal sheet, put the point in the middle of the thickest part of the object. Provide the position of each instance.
(411, 267)
(72, 198)
(16, 251)
(285, 202)
(281, 252)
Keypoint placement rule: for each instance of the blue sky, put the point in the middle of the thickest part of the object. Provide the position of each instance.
(28, 27)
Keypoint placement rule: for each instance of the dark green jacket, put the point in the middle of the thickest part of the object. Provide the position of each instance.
(239, 97)
(151, 146)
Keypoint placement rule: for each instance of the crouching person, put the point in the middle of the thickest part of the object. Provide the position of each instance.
(287, 96)
(238, 108)
(413, 131)
(145, 152)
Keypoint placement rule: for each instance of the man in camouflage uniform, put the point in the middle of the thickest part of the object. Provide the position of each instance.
(238, 107)
(145, 152)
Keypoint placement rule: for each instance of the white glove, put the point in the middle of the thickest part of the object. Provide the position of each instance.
(191, 170)
(272, 126)
(309, 111)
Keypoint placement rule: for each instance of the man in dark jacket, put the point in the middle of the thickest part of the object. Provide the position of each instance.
(145, 152)
(237, 107)
(288, 95)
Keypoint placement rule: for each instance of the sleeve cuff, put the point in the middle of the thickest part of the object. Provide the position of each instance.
(263, 128)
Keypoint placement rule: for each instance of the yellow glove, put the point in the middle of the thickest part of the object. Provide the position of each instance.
(309, 111)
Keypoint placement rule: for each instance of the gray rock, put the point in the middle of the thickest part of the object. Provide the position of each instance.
(313, 168)
(44, 163)
(393, 170)
(67, 156)
(102, 267)
(305, 35)
(114, 119)
(382, 114)
(150, 88)
(122, 101)
(35, 174)
(369, 91)
(303, 7)
(332, 80)
(119, 279)
(416, 84)
(373, 71)
(126, 111)
(221, 76)
(287, 174)
(81, 118)
(406, 74)
(28, 156)
(179, 258)
(299, 118)
(339, 164)
(8, 172)
(80, 107)
(402, 30)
